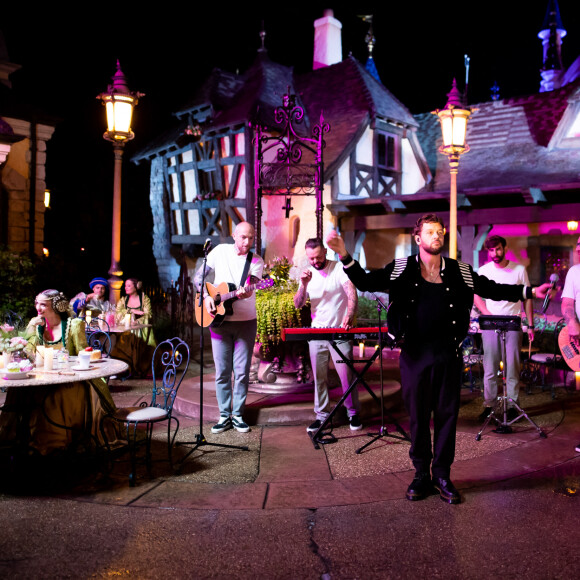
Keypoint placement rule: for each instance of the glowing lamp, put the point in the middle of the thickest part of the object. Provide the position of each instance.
(453, 118)
(572, 226)
(119, 102)
(47, 198)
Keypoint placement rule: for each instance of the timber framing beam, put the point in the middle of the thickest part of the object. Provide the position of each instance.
(513, 215)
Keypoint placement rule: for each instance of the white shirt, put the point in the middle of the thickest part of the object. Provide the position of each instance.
(572, 287)
(512, 274)
(228, 266)
(328, 300)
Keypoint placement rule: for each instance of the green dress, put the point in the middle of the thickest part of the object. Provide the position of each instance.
(79, 405)
(136, 346)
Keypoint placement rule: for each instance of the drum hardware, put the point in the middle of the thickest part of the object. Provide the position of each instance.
(501, 325)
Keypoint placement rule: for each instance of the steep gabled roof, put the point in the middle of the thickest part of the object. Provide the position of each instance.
(349, 98)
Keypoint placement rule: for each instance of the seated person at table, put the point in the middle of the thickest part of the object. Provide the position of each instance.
(96, 300)
(79, 405)
(138, 305)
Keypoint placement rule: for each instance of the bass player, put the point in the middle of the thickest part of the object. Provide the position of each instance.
(571, 305)
(232, 342)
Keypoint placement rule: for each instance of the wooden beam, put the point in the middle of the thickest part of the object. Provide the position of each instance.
(509, 215)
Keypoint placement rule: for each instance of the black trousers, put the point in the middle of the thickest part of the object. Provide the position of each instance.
(431, 383)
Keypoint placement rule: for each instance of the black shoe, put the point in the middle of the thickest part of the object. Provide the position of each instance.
(512, 414)
(314, 426)
(355, 423)
(485, 414)
(446, 490)
(420, 488)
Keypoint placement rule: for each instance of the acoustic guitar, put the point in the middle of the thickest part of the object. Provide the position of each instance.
(224, 296)
(570, 352)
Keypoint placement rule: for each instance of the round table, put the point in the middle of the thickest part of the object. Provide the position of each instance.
(105, 367)
(23, 406)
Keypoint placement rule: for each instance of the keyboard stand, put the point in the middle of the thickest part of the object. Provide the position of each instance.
(319, 437)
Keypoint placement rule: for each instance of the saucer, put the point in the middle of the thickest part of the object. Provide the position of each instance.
(77, 368)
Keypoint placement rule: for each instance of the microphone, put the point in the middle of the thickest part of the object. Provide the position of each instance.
(207, 246)
(553, 279)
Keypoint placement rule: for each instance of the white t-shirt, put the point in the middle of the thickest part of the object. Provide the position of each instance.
(572, 287)
(328, 300)
(512, 274)
(228, 266)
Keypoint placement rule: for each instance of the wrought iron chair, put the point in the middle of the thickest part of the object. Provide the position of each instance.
(549, 362)
(95, 325)
(171, 361)
(100, 340)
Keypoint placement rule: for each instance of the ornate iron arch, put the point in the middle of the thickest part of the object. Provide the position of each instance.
(287, 164)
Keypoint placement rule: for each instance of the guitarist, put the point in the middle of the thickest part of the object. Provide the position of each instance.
(233, 341)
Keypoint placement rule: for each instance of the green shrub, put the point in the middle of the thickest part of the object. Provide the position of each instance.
(17, 284)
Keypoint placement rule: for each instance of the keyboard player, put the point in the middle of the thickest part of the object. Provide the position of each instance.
(333, 303)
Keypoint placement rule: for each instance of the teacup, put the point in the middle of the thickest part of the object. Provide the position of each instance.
(84, 359)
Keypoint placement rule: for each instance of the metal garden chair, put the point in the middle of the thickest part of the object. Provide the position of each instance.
(169, 366)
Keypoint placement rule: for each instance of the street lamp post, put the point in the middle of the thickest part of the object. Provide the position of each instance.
(119, 102)
(453, 120)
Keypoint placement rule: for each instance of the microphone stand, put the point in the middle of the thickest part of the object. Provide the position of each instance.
(200, 440)
(383, 432)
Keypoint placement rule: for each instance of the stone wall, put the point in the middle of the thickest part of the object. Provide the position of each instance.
(16, 178)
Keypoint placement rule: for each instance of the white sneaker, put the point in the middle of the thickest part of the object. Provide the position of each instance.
(239, 424)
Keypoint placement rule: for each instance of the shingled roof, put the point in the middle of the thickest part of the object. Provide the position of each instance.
(510, 143)
(350, 98)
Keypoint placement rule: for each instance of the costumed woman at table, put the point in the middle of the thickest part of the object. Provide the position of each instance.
(137, 305)
(79, 405)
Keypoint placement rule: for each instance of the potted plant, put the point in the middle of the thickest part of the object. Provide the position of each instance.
(275, 310)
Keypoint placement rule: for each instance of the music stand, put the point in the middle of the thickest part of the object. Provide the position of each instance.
(383, 432)
(200, 440)
(501, 325)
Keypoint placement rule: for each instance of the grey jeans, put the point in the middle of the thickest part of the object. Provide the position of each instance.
(320, 353)
(492, 355)
(232, 344)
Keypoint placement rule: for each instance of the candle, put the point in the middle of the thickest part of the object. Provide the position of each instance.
(501, 365)
(39, 360)
(577, 375)
(127, 320)
(48, 360)
(361, 349)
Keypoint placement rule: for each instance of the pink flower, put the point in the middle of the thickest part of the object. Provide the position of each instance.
(7, 328)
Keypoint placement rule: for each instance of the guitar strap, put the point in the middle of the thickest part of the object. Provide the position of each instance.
(246, 269)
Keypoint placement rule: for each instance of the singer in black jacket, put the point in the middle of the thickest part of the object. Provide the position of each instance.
(430, 303)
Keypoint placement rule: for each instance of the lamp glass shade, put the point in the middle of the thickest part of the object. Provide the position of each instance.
(459, 129)
(119, 113)
(447, 128)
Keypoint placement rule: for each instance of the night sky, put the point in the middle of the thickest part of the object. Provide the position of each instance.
(167, 55)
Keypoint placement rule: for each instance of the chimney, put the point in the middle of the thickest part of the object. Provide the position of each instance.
(327, 41)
